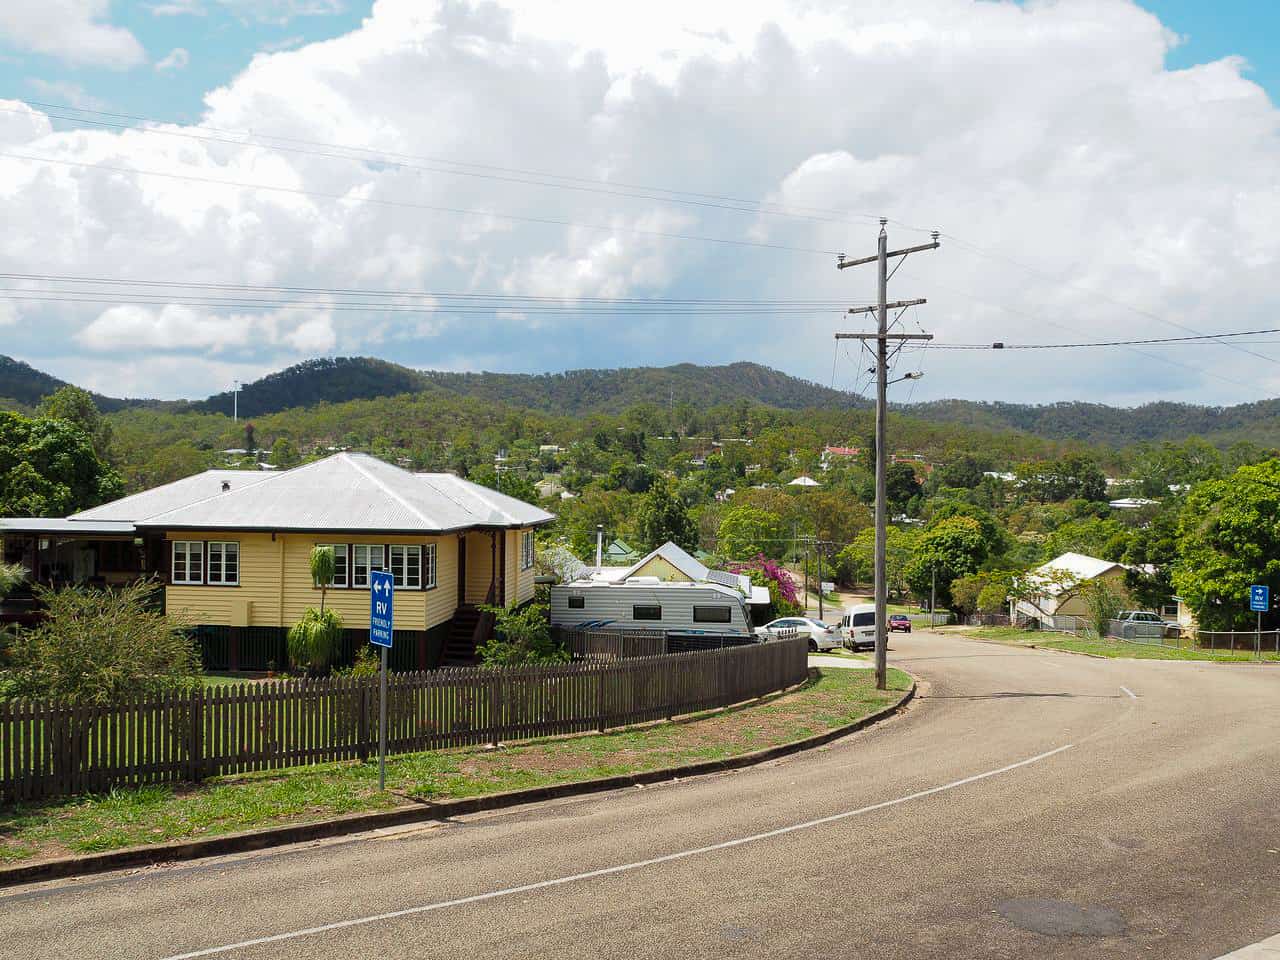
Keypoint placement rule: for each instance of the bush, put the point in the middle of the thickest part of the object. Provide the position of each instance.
(367, 664)
(520, 637)
(100, 646)
(314, 640)
(11, 574)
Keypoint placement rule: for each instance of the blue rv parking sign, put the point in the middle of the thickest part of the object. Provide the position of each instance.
(1260, 598)
(382, 587)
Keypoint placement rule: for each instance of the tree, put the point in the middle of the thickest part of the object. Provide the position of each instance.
(900, 485)
(1228, 539)
(662, 517)
(746, 532)
(101, 646)
(1053, 481)
(953, 548)
(856, 563)
(964, 472)
(284, 454)
(314, 640)
(49, 468)
(1104, 599)
(521, 636)
(1106, 539)
(76, 406)
(11, 574)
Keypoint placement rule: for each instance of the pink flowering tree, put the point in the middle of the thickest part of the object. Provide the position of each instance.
(784, 592)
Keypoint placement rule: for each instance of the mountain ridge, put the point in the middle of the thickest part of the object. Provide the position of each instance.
(610, 390)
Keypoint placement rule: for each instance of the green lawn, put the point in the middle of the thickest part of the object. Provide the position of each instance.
(1106, 647)
(156, 814)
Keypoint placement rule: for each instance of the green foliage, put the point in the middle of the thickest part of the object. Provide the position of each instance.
(368, 663)
(284, 454)
(1105, 539)
(11, 574)
(660, 516)
(964, 472)
(747, 531)
(1072, 477)
(314, 640)
(1103, 598)
(1228, 539)
(901, 486)
(323, 566)
(521, 636)
(77, 406)
(49, 468)
(952, 548)
(855, 563)
(99, 646)
(993, 598)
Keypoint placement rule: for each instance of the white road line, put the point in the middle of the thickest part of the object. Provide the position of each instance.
(1132, 695)
(607, 871)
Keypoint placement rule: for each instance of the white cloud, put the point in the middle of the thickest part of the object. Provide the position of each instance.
(177, 59)
(1049, 133)
(75, 31)
(63, 91)
(8, 314)
(178, 8)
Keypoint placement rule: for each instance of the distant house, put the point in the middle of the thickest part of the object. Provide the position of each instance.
(549, 486)
(620, 552)
(1132, 503)
(1061, 579)
(803, 481)
(232, 548)
(831, 454)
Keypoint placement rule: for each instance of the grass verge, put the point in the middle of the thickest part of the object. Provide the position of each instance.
(156, 814)
(1107, 647)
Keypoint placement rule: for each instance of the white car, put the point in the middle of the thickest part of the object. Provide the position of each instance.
(859, 626)
(820, 635)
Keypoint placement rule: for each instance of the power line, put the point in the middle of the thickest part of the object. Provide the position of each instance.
(999, 345)
(433, 208)
(396, 157)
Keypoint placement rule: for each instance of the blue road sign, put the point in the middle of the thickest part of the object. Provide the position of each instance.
(382, 588)
(1260, 598)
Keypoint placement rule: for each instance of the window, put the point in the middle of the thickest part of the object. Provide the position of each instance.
(188, 561)
(367, 557)
(224, 562)
(406, 565)
(340, 572)
(646, 612)
(712, 614)
(526, 550)
(864, 619)
(577, 603)
(429, 566)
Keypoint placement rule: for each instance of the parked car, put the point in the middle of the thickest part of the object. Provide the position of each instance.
(899, 621)
(821, 636)
(1143, 624)
(859, 626)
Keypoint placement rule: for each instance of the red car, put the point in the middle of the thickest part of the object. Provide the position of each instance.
(899, 621)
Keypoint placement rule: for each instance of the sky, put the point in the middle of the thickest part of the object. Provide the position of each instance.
(198, 191)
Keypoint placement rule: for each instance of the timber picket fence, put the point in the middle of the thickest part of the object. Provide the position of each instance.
(50, 748)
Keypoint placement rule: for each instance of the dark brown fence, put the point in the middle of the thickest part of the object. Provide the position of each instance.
(49, 748)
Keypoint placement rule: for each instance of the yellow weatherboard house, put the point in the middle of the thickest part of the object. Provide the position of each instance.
(233, 551)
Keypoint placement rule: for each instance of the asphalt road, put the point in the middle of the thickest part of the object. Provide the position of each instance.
(1030, 804)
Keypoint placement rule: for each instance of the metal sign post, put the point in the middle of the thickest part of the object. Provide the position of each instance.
(1259, 602)
(382, 588)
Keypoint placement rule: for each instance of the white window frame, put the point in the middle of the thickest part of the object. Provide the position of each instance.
(429, 566)
(526, 549)
(223, 552)
(368, 550)
(400, 568)
(343, 551)
(183, 547)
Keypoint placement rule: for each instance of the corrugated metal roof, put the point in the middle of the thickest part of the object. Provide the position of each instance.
(171, 496)
(354, 492)
(57, 525)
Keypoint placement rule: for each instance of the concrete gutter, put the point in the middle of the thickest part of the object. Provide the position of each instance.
(249, 840)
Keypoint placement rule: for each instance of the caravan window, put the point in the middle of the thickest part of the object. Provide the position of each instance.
(577, 603)
(646, 612)
(712, 614)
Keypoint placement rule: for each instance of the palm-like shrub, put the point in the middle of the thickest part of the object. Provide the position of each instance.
(322, 570)
(314, 640)
(11, 574)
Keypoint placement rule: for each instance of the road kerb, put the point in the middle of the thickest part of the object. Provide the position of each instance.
(250, 840)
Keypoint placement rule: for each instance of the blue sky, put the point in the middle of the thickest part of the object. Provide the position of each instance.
(1073, 165)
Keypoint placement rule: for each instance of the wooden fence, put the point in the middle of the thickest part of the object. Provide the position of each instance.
(49, 748)
(625, 643)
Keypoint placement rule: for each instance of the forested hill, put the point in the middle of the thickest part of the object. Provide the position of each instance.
(574, 393)
(583, 392)
(1117, 426)
(26, 385)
